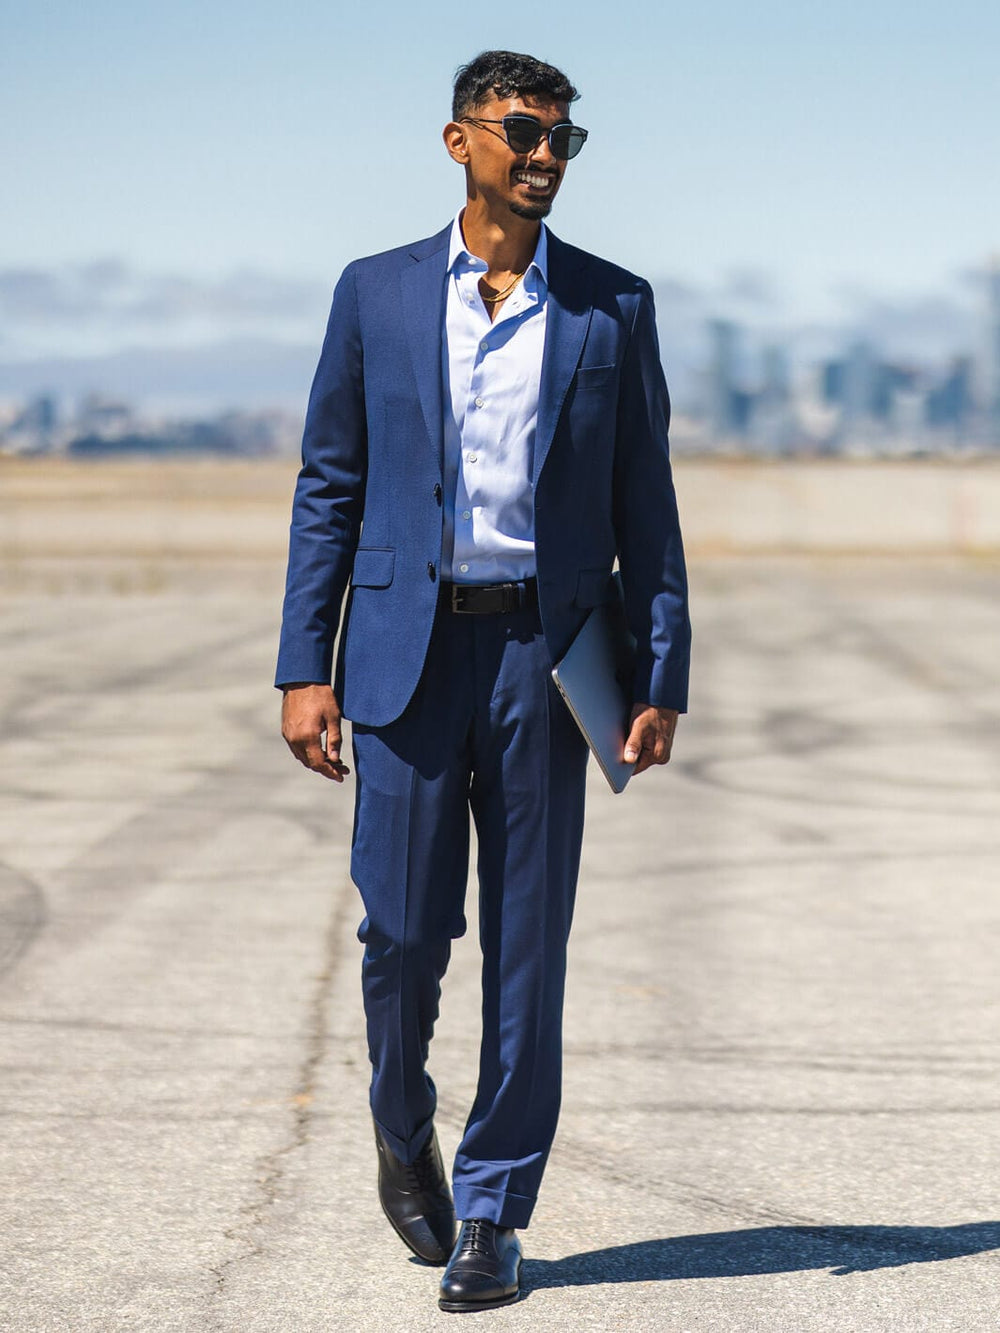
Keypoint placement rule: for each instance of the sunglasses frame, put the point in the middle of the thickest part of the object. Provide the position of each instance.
(581, 133)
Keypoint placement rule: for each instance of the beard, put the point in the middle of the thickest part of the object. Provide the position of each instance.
(533, 212)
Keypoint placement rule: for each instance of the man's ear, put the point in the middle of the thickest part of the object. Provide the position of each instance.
(456, 142)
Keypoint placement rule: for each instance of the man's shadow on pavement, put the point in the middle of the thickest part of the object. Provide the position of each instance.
(763, 1250)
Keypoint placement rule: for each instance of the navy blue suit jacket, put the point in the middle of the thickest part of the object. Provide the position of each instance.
(367, 513)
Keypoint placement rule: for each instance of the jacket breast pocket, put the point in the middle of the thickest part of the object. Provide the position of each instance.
(595, 377)
(373, 566)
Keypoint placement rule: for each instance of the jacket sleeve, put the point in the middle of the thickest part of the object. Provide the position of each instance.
(648, 535)
(329, 497)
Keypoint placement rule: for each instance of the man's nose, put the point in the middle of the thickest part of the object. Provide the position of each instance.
(541, 154)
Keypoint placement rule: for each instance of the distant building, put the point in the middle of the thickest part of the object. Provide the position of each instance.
(728, 405)
(773, 427)
(857, 400)
(32, 429)
(992, 396)
(950, 404)
(41, 414)
(875, 399)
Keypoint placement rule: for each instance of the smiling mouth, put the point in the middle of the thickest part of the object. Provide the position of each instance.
(539, 182)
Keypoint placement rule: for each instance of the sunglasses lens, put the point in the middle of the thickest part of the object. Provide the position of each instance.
(523, 132)
(566, 141)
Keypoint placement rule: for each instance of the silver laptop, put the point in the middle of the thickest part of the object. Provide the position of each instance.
(595, 679)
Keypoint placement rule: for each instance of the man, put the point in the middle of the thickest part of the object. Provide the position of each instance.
(486, 433)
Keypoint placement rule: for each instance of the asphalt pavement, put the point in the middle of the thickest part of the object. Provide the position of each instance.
(781, 1107)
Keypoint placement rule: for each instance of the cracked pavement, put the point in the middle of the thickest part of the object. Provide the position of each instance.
(782, 1058)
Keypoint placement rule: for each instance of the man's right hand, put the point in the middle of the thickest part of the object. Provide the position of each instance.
(309, 714)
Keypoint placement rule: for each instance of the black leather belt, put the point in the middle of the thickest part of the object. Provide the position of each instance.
(489, 599)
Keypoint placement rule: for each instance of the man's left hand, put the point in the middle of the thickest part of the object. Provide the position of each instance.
(650, 737)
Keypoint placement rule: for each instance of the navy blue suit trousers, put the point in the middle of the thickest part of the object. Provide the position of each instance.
(485, 731)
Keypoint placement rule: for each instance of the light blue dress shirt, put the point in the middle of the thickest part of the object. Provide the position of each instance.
(491, 376)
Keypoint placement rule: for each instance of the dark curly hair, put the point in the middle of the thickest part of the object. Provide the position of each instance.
(507, 74)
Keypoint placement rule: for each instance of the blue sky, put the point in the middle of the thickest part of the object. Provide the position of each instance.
(218, 163)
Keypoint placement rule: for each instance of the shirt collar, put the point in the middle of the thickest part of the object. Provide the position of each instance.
(457, 250)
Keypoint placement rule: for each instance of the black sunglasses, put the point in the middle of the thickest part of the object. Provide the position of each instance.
(524, 133)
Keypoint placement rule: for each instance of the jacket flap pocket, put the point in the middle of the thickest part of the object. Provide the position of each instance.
(373, 566)
(593, 587)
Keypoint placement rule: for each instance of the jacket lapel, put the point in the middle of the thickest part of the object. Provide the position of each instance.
(423, 297)
(567, 320)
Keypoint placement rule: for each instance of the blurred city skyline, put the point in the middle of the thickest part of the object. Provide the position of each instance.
(731, 364)
(747, 391)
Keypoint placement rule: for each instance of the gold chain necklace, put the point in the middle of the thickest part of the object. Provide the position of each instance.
(491, 300)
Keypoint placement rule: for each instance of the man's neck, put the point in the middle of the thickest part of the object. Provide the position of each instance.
(507, 246)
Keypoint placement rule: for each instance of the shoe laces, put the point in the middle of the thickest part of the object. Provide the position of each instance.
(474, 1236)
(423, 1168)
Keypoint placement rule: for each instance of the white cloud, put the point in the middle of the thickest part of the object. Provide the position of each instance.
(104, 305)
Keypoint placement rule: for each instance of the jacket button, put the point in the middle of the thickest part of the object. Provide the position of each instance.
(437, 491)
(431, 570)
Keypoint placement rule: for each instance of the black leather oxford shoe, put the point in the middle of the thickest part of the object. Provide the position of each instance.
(484, 1270)
(416, 1199)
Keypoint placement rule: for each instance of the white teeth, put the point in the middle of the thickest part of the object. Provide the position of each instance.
(529, 178)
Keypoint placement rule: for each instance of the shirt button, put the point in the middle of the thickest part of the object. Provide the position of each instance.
(473, 458)
(479, 402)
(484, 347)
(466, 513)
(463, 569)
